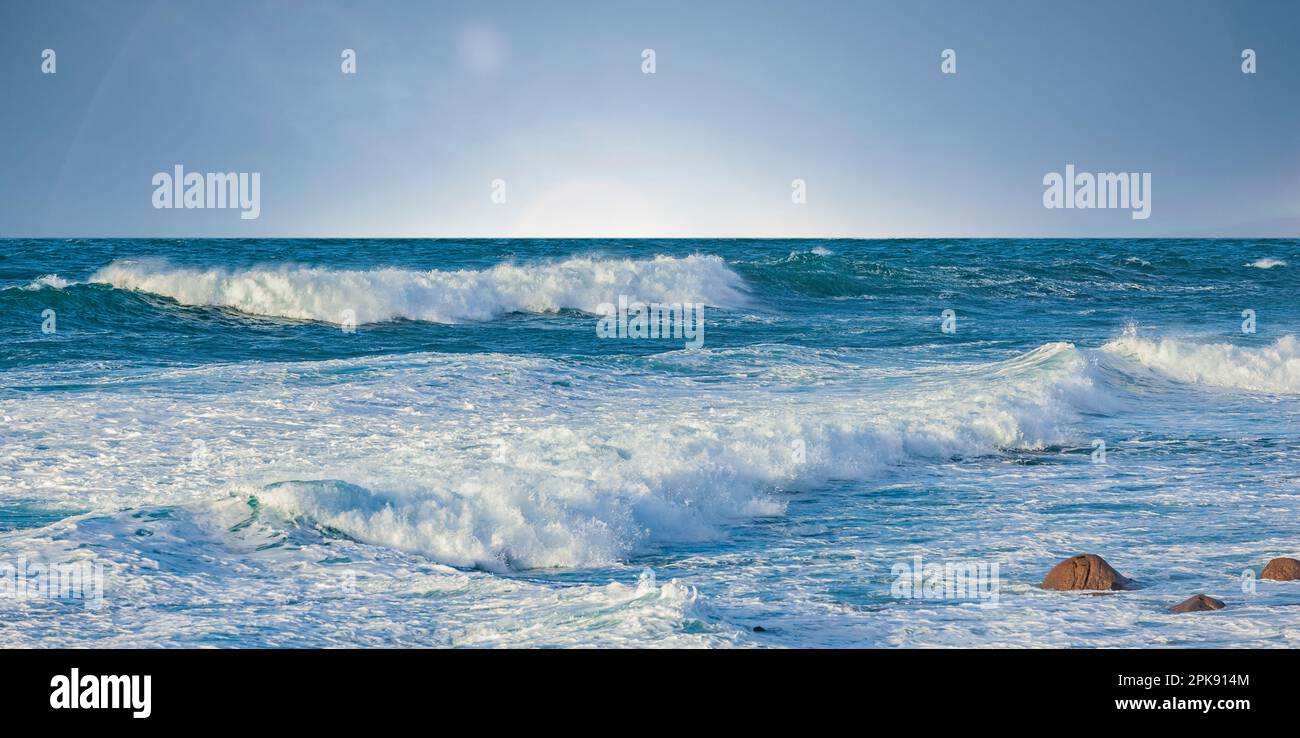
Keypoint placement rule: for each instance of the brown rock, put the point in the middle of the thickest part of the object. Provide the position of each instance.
(1085, 571)
(1281, 569)
(1198, 603)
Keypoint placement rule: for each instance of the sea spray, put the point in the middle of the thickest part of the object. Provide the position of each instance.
(438, 296)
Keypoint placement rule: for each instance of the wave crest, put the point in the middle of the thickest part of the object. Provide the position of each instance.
(378, 295)
(1274, 368)
(629, 476)
(1267, 263)
(52, 281)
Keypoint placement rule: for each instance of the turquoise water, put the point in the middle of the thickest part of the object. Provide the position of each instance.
(405, 442)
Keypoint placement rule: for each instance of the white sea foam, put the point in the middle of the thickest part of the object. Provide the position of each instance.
(483, 461)
(202, 566)
(376, 295)
(1267, 263)
(52, 281)
(336, 492)
(572, 493)
(1274, 368)
(800, 255)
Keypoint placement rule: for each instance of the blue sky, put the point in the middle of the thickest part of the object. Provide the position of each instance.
(549, 96)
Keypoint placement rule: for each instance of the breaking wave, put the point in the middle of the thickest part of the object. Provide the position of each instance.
(1274, 368)
(378, 295)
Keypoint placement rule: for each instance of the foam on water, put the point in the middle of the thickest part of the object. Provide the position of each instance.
(376, 295)
(232, 491)
(52, 281)
(1267, 263)
(523, 475)
(219, 573)
(1273, 369)
(274, 483)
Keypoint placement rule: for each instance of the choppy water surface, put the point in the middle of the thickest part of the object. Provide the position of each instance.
(472, 465)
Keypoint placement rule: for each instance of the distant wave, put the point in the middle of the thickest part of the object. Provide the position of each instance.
(52, 281)
(1267, 263)
(1274, 368)
(378, 295)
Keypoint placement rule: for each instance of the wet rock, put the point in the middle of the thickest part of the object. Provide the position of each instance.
(1281, 569)
(1084, 572)
(759, 629)
(1198, 603)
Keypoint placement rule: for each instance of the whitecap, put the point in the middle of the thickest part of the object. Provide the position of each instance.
(52, 281)
(1274, 368)
(378, 295)
(1267, 263)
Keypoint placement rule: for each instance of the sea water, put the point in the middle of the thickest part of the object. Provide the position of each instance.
(427, 443)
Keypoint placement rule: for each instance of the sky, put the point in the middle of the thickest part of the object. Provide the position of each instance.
(551, 99)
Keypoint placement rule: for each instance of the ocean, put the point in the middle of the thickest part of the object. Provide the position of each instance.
(290, 442)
